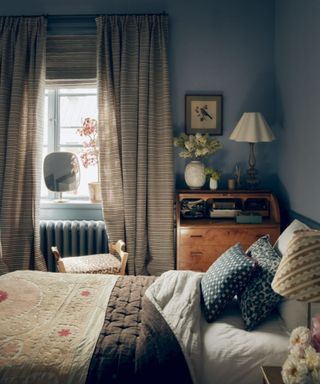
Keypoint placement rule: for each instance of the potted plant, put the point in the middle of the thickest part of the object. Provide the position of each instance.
(214, 177)
(196, 147)
(89, 155)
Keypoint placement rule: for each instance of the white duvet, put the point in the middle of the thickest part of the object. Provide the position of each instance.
(221, 352)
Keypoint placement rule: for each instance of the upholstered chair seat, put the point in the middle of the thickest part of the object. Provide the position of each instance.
(106, 263)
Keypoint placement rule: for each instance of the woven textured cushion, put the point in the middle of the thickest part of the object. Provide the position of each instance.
(226, 276)
(258, 299)
(298, 276)
(100, 263)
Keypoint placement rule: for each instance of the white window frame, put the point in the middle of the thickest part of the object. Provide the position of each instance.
(54, 127)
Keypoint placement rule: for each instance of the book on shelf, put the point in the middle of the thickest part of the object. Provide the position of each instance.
(224, 205)
(224, 213)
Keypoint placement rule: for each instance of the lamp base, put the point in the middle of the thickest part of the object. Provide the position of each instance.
(252, 179)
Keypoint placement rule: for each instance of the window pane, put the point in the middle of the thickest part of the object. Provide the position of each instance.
(45, 121)
(70, 136)
(86, 175)
(74, 109)
(77, 91)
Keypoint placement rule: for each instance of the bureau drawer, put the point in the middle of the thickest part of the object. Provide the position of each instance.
(198, 258)
(226, 236)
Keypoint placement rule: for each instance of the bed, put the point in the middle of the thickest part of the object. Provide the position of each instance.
(133, 343)
(67, 328)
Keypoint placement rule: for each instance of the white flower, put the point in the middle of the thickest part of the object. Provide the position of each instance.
(189, 146)
(298, 352)
(300, 336)
(315, 376)
(196, 145)
(303, 363)
(295, 371)
(312, 359)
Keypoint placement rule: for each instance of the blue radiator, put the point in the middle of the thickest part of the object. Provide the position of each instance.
(73, 238)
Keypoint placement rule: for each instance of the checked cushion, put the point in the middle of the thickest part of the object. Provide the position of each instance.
(228, 275)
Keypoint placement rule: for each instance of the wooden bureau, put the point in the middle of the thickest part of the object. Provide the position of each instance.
(200, 241)
(272, 375)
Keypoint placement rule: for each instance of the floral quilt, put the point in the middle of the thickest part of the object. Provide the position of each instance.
(49, 325)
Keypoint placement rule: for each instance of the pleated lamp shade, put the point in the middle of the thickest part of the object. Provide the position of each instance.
(252, 128)
(298, 274)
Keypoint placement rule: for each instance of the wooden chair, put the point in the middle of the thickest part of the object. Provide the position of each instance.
(100, 263)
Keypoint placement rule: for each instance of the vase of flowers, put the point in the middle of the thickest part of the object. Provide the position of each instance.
(89, 155)
(194, 174)
(196, 147)
(303, 363)
(214, 177)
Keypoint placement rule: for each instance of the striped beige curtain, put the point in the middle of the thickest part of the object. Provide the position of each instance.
(22, 75)
(3, 266)
(135, 134)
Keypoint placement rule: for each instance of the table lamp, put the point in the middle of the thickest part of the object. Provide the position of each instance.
(252, 128)
(298, 274)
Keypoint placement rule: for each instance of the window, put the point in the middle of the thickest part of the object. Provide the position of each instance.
(65, 111)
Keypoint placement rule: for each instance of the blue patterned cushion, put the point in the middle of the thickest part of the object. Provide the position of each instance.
(258, 299)
(226, 276)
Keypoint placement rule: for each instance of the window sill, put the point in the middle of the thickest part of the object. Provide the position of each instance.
(71, 210)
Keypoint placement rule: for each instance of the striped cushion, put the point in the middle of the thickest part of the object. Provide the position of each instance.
(100, 263)
(298, 275)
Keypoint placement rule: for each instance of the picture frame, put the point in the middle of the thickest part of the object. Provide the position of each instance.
(204, 114)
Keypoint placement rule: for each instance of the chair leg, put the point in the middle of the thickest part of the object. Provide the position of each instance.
(119, 248)
(58, 258)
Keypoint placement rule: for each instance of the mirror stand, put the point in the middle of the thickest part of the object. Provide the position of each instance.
(60, 199)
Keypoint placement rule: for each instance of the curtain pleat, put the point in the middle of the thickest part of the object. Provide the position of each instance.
(22, 78)
(135, 138)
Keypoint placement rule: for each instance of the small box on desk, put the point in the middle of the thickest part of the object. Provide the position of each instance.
(249, 218)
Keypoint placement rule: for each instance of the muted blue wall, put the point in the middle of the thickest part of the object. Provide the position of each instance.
(215, 47)
(297, 59)
(224, 47)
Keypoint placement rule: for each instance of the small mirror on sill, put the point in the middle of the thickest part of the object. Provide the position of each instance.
(61, 171)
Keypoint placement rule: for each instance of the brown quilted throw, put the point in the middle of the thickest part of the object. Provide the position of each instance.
(136, 345)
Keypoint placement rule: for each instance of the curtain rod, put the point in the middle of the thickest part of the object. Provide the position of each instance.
(93, 15)
(109, 14)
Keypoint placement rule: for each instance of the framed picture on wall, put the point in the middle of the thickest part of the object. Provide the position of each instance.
(204, 114)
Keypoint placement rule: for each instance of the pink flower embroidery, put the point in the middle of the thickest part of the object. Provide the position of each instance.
(64, 332)
(3, 296)
(85, 293)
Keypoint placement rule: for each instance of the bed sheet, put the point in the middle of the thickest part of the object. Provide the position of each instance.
(232, 355)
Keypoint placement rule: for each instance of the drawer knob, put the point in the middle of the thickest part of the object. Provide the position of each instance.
(196, 236)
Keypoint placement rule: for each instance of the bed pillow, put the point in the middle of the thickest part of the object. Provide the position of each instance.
(283, 241)
(228, 275)
(292, 312)
(258, 299)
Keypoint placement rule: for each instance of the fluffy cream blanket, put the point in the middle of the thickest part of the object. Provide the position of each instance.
(49, 325)
(176, 295)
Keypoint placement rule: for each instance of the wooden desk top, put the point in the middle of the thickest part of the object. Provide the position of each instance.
(271, 375)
